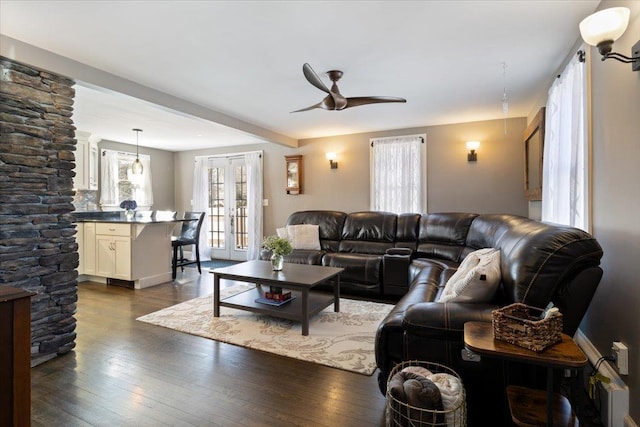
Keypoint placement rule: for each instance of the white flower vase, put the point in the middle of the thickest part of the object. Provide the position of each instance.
(277, 262)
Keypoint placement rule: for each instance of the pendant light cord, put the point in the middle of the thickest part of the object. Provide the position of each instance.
(505, 102)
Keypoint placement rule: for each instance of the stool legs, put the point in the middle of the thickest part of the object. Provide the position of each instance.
(198, 258)
(174, 263)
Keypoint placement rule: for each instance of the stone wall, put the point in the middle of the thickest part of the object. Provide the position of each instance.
(38, 250)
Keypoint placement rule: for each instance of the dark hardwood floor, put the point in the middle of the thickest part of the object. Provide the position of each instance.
(128, 373)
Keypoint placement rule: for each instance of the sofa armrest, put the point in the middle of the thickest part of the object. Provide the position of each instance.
(443, 320)
(399, 251)
(395, 271)
(434, 331)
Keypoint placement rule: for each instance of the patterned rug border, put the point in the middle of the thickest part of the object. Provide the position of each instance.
(352, 350)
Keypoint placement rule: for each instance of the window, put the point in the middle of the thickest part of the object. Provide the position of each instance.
(117, 183)
(565, 195)
(398, 174)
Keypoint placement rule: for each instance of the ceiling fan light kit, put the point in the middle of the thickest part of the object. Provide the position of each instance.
(334, 100)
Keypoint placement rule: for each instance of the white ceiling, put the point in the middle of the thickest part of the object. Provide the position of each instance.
(244, 59)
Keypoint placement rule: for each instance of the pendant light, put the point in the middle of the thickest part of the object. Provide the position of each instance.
(136, 167)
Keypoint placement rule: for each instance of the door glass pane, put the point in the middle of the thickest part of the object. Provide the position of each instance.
(242, 236)
(216, 207)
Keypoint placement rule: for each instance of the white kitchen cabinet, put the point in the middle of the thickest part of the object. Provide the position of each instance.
(113, 250)
(80, 242)
(86, 163)
(93, 166)
(80, 181)
(88, 253)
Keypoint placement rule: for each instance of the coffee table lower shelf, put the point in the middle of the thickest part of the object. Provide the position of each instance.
(528, 407)
(293, 310)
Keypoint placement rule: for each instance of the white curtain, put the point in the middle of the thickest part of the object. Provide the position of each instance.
(396, 175)
(201, 202)
(253, 162)
(564, 173)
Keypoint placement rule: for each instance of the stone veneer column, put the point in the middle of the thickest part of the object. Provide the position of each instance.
(38, 250)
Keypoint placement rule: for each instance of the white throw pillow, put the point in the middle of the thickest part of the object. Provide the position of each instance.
(304, 236)
(282, 232)
(476, 280)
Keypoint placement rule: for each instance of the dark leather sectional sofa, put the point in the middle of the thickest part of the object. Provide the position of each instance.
(413, 256)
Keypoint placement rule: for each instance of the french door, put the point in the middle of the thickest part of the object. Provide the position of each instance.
(228, 232)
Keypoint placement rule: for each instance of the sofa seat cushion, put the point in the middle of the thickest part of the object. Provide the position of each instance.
(358, 268)
(305, 256)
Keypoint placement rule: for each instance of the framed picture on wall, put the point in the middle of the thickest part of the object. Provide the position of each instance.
(533, 157)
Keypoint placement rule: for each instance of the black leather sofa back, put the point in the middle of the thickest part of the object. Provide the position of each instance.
(407, 231)
(443, 235)
(331, 224)
(368, 232)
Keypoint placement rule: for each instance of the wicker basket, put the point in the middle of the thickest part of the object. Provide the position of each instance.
(401, 414)
(521, 325)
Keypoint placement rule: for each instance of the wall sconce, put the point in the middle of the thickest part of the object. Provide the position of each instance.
(603, 28)
(472, 146)
(332, 157)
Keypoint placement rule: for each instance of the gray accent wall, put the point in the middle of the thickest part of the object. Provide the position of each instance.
(492, 184)
(614, 314)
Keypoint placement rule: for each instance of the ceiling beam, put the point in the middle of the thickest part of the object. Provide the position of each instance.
(90, 76)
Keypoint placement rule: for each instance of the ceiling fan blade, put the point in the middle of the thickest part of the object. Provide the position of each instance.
(326, 104)
(313, 78)
(364, 100)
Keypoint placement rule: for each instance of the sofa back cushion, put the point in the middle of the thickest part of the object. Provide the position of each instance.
(330, 225)
(536, 257)
(407, 231)
(368, 232)
(443, 235)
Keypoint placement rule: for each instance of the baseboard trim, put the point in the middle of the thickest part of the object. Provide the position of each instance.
(148, 281)
(618, 415)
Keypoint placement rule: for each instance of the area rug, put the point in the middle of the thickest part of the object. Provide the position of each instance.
(214, 263)
(343, 340)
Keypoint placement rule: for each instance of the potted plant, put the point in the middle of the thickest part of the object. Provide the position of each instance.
(129, 206)
(279, 247)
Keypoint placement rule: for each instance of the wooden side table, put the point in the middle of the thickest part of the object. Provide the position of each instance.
(528, 406)
(15, 356)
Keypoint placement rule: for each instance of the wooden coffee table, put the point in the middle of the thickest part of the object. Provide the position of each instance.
(298, 278)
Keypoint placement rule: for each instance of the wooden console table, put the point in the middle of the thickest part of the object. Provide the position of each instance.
(528, 406)
(15, 356)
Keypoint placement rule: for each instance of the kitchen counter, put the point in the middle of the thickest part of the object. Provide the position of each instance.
(132, 252)
(120, 217)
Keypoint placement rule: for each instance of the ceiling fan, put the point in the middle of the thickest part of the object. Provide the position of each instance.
(335, 100)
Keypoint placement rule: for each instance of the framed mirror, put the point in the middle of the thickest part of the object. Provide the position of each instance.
(533, 156)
